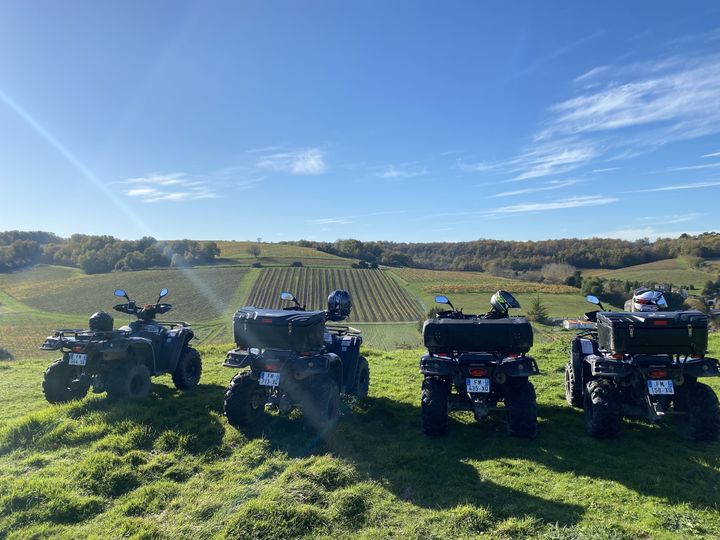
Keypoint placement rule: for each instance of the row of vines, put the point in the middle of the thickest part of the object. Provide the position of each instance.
(376, 295)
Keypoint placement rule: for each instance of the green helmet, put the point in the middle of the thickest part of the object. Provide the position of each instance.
(502, 301)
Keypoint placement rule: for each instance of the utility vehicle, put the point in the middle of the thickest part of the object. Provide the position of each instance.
(475, 362)
(643, 365)
(294, 360)
(121, 362)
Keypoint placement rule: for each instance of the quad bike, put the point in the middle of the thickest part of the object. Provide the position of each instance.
(121, 362)
(644, 365)
(474, 362)
(295, 361)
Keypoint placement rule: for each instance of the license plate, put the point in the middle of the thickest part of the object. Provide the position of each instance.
(478, 386)
(660, 387)
(268, 378)
(77, 359)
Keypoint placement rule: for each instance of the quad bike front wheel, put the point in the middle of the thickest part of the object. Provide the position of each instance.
(320, 404)
(244, 400)
(128, 381)
(573, 385)
(189, 369)
(362, 382)
(434, 408)
(57, 383)
(522, 407)
(603, 409)
(701, 421)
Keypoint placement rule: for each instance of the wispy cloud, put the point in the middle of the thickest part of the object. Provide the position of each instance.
(713, 154)
(553, 184)
(604, 170)
(303, 162)
(572, 202)
(642, 232)
(549, 159)
(671, 219)
(696, 167)
(693, 185)
(168, 187)
(393, 171)
(332, 221)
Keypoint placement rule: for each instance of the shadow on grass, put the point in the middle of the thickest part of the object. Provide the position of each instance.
(384, 441)
(188, 414)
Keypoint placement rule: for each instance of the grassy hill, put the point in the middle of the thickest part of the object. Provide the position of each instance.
(170, 466)
(278, 255)
(675, 271)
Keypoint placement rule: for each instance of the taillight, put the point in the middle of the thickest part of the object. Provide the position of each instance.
(78, 348)
(697, 356)
(658, 374)
(617, 356)
(642, 301)
(478, 372)
(660, 322)
(266, 321)
(270, 367)
(513, 356)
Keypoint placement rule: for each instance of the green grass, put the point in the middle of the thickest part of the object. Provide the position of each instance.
(280, 255)
(170, 467)
(675, 271)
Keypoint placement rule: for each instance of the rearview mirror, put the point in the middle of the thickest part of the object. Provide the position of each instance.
(287, 296)
(164, 292)
(442, 300)
(593, 299)
(120, 292)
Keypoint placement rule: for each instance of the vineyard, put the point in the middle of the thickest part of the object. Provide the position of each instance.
(376, 295)
(279, 255)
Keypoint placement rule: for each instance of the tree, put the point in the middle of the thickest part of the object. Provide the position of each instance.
(558, 272)
(537, 312)
(254, 250)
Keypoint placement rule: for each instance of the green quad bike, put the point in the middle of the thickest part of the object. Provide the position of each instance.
(121, 362)
(644, 365)
(476, 362)
(294, 360)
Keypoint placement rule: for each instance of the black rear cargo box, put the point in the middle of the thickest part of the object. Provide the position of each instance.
(279, 329)
(661, 332)
(511, 335)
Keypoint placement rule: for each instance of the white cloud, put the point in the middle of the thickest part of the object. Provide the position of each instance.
(713, 154)
(592, 73)
(549, 159)
(604, 170)
(332, 221)
(572, 202)
(401, 172)
(554, 184)
(305, 162)
(157, 187)
(671, 219)
(696, 167)
(694, 185)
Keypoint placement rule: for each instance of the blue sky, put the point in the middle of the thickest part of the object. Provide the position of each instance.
(407, 121)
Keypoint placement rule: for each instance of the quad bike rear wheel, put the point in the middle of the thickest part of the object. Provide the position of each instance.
(434, 407)
(320, 404)
(521, 403)
(573, 385)
(603, 409)
(702, 419)
(57, 383)
(128, 381)
(244, 400)
(189, 369)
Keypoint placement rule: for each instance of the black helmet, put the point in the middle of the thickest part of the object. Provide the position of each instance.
(101, 322)
(339, 305)
(502, 301)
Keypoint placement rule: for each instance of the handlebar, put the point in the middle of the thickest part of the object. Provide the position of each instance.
(146, 312)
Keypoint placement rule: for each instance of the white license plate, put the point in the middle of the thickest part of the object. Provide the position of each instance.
(268, 378)
(661, 387)
(77, 359)
(477, 386)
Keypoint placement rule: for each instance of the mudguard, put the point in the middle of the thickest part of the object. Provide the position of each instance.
(436, 365)
(522, 366)
(237, 358)
(701, 367)
(607, 367)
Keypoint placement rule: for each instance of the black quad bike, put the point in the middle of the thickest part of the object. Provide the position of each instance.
(295, 361)
(121, 362)
(475, 362)
(643, 365)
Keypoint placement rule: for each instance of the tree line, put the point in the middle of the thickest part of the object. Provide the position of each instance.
(521, 256)
(99, 254)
